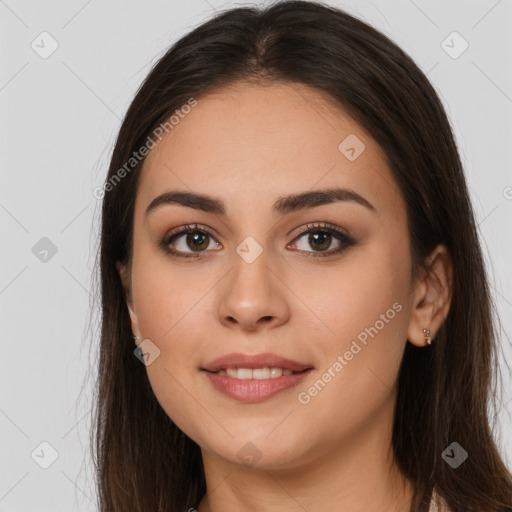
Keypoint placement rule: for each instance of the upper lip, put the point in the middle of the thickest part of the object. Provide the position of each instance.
(237, 360)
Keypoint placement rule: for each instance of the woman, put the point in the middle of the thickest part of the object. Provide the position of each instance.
(288, 237)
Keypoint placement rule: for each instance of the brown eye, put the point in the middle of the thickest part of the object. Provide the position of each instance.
(186, 242)
(320, 240)
(321, 237)
(196, 241)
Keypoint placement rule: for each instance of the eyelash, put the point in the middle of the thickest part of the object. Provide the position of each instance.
(321, 227)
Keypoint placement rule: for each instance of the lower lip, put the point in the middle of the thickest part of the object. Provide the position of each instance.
(254, 390)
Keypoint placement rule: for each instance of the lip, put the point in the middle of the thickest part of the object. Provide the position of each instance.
(254, 390)
(252, 361)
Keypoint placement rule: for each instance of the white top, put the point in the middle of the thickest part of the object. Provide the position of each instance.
(438, 504)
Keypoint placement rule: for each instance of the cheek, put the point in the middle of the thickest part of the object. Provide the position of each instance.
(167, 295)
(365, 309)
(360, 361)
(358, 295)
(172, 310)
(168, 307)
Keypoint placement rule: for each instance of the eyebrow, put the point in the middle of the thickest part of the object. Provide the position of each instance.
(282, 205)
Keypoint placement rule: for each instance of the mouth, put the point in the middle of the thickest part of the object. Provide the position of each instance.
(254, 377)
(256, 373)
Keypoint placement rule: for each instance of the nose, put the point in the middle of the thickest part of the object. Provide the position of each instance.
(254, 297)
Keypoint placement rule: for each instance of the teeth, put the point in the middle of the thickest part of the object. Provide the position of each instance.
(276, 372)
(257, 373)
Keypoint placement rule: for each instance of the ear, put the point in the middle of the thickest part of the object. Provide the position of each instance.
(125, 276)
(432, 297)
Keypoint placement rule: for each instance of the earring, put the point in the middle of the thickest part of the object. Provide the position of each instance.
(135, 338)
(427, 336)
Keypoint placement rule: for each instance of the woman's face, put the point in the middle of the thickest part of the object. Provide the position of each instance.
(257, 283)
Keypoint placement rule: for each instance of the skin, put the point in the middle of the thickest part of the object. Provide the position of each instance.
(248, 145)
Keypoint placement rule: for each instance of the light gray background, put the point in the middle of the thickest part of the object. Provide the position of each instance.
(59, 118)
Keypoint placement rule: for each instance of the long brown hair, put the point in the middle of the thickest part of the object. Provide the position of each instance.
(143, 460)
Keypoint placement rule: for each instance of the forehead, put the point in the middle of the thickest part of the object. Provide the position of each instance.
(251, 143)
